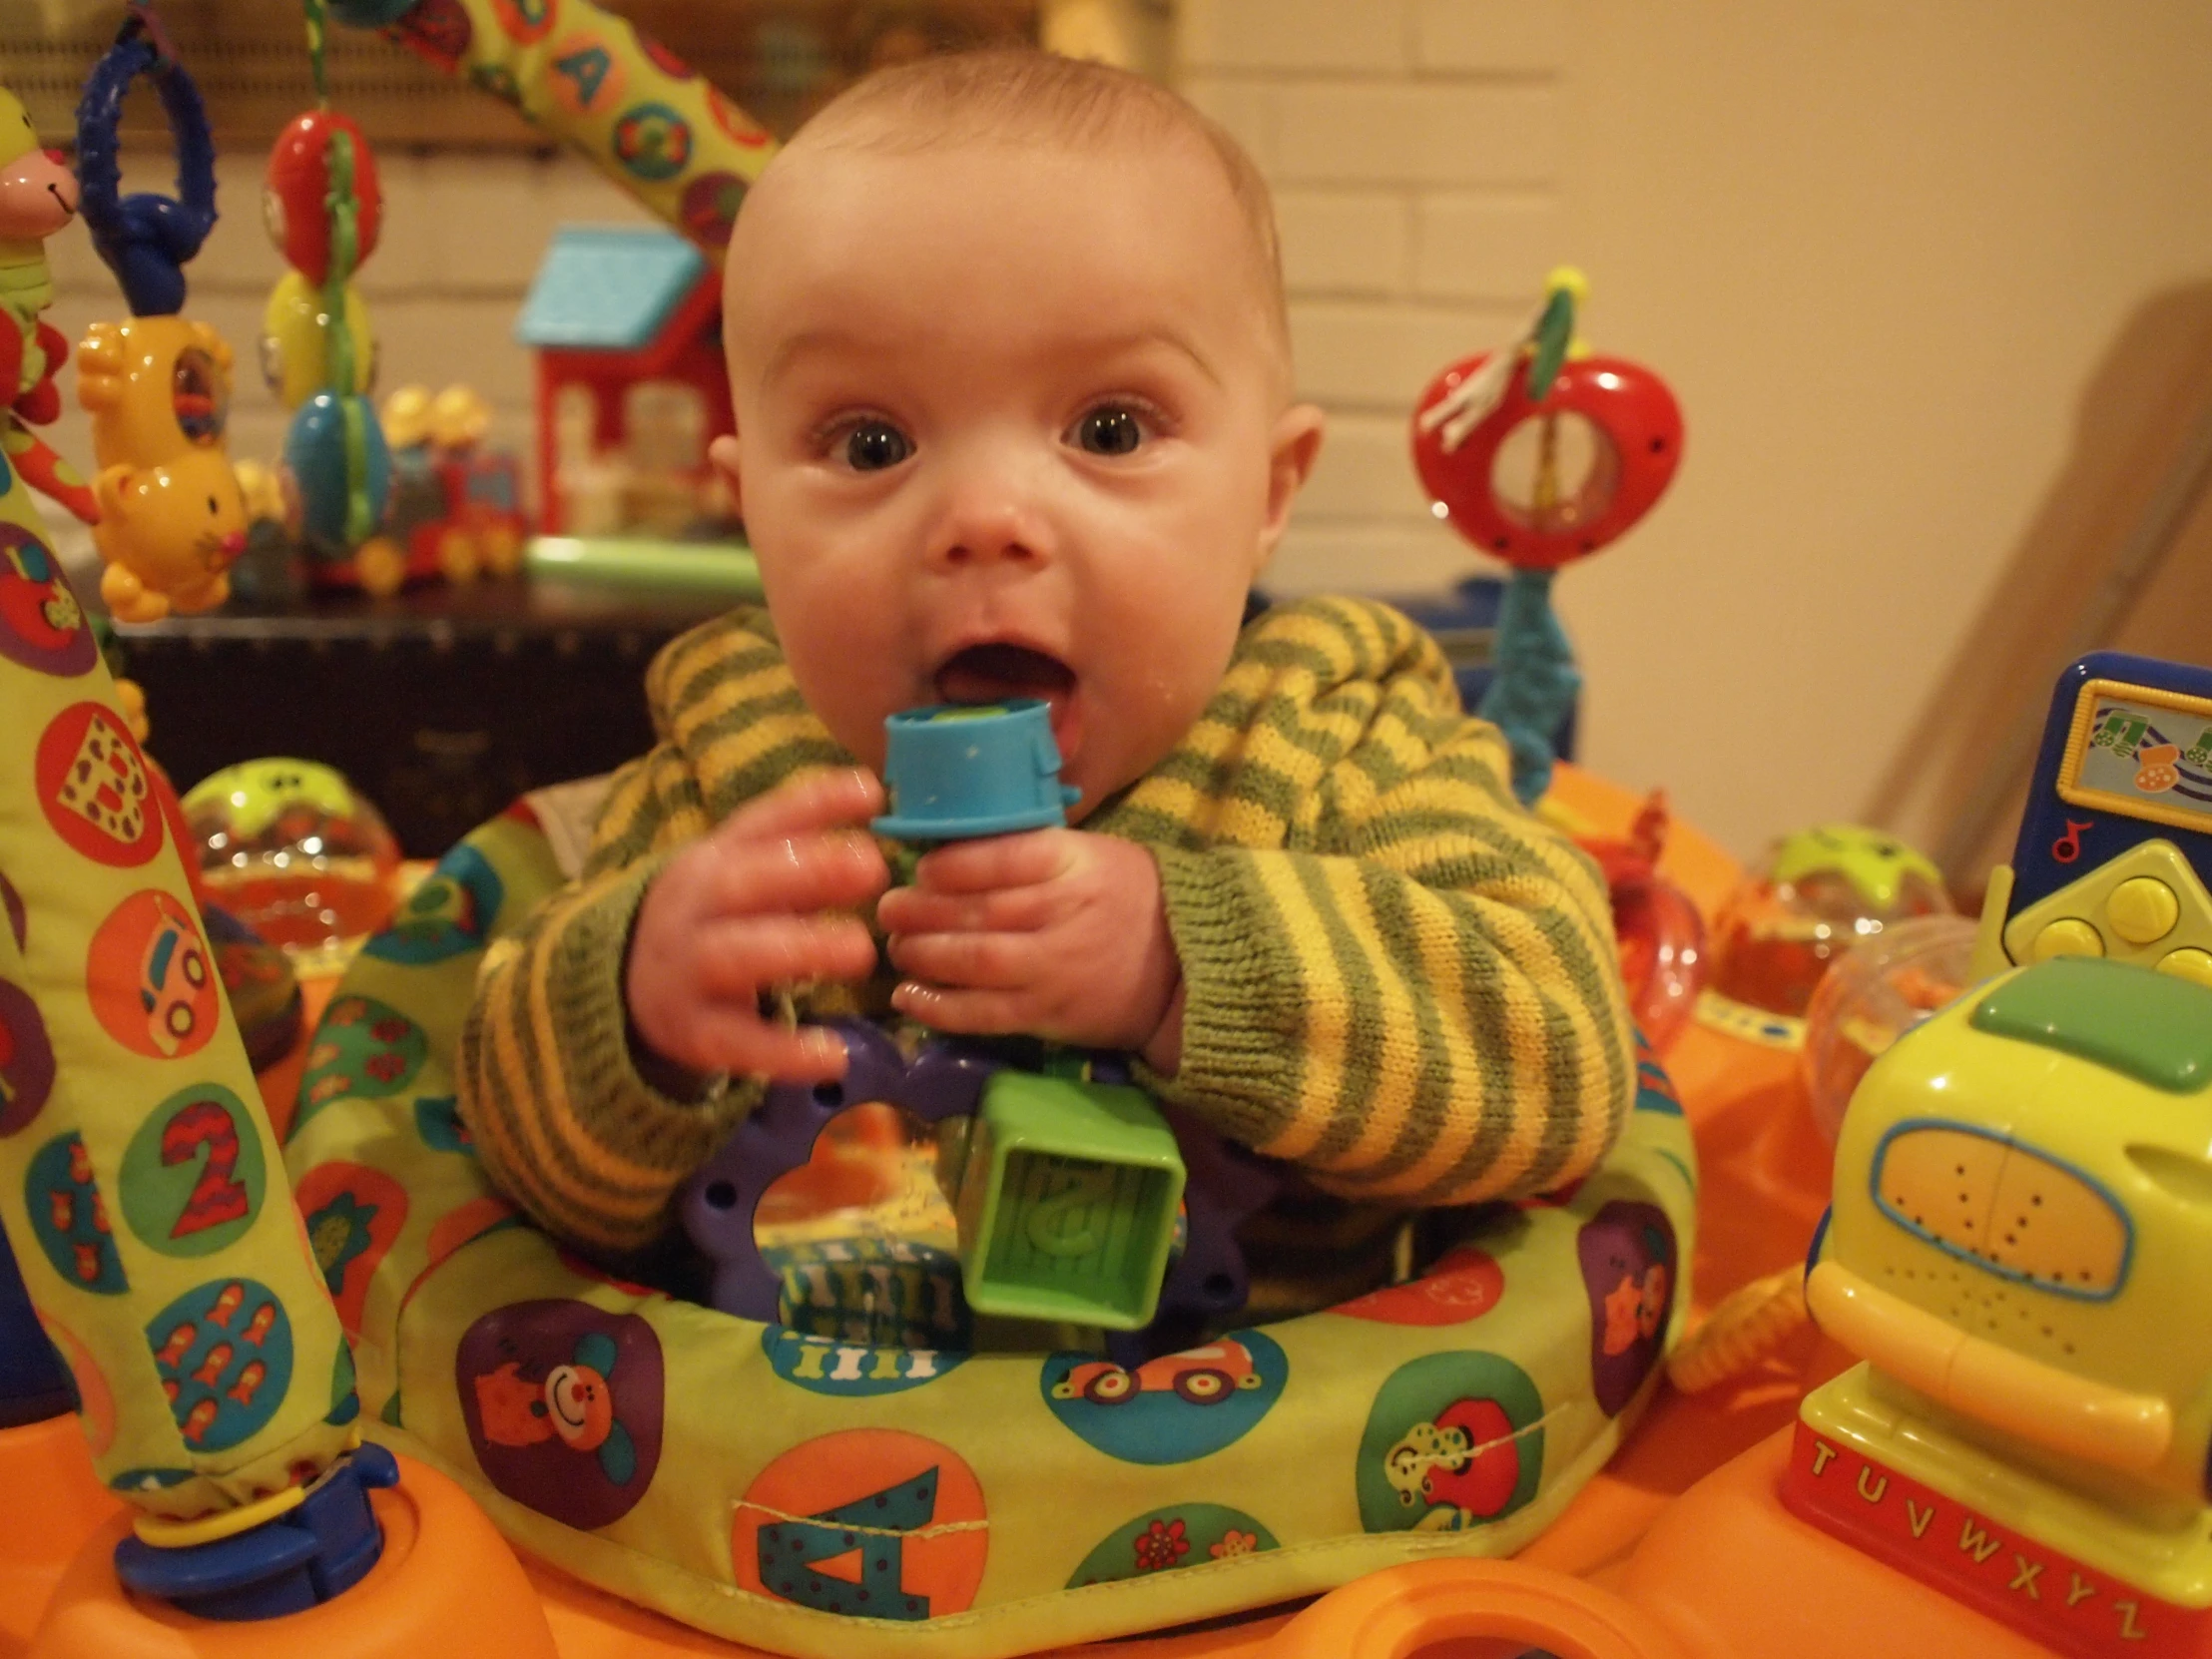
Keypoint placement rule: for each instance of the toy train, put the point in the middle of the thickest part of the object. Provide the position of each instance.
(451, 513)
(455, 515)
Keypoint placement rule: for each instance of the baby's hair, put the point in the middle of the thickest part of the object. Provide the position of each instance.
(1013, 94)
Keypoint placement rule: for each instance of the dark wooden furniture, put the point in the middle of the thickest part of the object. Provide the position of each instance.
(441, 704)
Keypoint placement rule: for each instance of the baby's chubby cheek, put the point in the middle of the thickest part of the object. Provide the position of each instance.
(853, 709)
(1162, 703)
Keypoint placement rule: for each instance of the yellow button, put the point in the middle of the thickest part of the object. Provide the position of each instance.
(2188, 963)
(2142, 909)
(2069, 936)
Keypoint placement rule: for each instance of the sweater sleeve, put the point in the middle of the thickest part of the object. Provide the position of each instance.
(1394, 975)
(546, 1081)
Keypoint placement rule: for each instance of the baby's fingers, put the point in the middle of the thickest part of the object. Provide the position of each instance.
(744, 1045)
(734, 961)
(1004, 910)
(975, 1013)
(833, 870)
(997, 861)
(824, 799)
(969, 961)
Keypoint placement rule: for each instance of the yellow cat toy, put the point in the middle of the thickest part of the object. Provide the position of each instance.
(172, 519)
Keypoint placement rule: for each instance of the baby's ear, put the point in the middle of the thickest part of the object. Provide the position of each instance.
(721, 455)
(1293, 447)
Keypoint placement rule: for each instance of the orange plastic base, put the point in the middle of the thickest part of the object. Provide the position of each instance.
(54, 1499)
(1735, 1575)
(447, 1584)
(2011, 1576)
(1462, 1607)
(1445, 1609)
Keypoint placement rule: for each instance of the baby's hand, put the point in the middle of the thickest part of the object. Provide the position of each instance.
(751, 906)
(1056, 933)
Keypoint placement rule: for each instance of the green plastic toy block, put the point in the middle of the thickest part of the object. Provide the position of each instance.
(1067, 1199)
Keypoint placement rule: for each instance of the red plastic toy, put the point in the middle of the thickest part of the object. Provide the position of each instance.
(1619, 411)
(1661, 933)
(299, 186)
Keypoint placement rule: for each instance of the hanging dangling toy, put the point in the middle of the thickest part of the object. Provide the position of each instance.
(323, 208)
(1539, 453)
(143, 1200)
(158, 387)
(38, 196)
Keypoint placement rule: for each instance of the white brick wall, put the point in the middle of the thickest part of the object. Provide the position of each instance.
(1416, 151)
(461, 239)
(1345, 241)
(1490, 37)
(1294, 37)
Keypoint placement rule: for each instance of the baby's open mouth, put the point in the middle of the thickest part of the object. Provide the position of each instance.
(999, 672)
(995, 672)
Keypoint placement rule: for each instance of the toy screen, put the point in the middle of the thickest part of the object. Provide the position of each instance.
(2142, 753)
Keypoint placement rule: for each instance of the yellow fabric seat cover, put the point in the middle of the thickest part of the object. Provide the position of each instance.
(819, 1496)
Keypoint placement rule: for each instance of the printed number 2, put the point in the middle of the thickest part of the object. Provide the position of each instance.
(215, 1198)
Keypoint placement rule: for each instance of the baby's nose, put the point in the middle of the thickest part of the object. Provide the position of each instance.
(989, 550)
(992, 532)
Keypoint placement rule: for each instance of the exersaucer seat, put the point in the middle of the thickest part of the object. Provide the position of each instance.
(816, 1493)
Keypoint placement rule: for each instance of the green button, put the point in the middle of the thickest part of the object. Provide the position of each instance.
(2153, 1027)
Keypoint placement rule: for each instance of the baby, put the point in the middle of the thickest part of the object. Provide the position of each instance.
(1011, 374)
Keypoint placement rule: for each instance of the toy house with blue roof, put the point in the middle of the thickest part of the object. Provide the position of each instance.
(625, 324)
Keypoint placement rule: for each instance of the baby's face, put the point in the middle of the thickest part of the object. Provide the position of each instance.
(1010, 423)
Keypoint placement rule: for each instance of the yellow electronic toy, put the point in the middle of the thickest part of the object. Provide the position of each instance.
(2115, 848)
(2023, 1212)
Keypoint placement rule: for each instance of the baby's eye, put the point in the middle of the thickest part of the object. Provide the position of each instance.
(872, 445)
(1109, 430)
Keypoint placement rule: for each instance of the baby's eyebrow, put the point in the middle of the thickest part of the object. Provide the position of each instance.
(807, 341)
(1168, 337)
(793, 346)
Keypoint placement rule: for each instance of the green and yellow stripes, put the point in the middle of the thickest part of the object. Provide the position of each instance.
(672, 679)
(1427, 1007)
(653, 804)
(1396, 978)
(1396, 1040)
(560, 1118)
(730, 708)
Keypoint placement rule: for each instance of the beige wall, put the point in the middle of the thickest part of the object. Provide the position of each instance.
(1883, 249)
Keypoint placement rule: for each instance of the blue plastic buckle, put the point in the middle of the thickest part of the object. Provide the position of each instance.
(300, 1559)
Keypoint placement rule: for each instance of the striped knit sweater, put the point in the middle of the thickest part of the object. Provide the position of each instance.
(1394, 977)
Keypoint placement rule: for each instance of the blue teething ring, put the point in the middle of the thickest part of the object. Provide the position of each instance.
(955, 772)
(145, 239)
